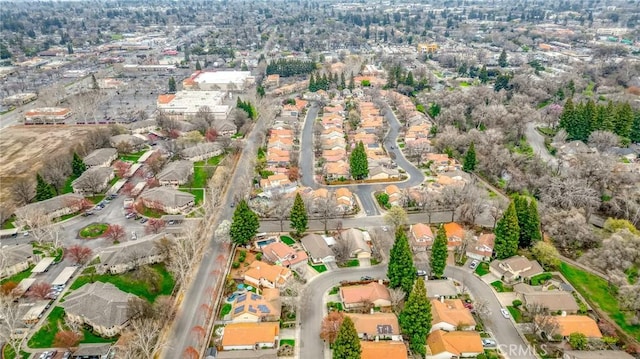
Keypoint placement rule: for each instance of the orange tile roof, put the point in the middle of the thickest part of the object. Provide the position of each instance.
(368, 323)
(455, 343)
(336, 152)
(454, 230)
(165, 99)
(577, 324)
(420, 230)
(301, 104)
(343, 192)
(271, 273)
(452, 311)
(359, 293)
(320, 193)
(281, 250)
(391, 189)
(383, 350)
(336, 168)
(437, 157)
(250, 333)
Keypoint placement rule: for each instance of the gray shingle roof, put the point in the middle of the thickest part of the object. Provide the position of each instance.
(167, 196)
(99, 156)
(87, 178)
(202, 148)
(101, 303)
(316, 246)
(176, 171)
(126, 252)
(12, 255)
(52, 204)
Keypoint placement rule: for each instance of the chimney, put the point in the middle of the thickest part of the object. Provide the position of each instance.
(442, 299)
(371, 311)
(380, 281)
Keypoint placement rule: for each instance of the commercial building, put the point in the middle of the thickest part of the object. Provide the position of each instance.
(185, 104)
(19, 99)
(47, 115)
(219, 80)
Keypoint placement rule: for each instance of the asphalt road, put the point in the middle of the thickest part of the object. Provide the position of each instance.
(509, 342)
(363, 191)
(536, 141)
(198, 293)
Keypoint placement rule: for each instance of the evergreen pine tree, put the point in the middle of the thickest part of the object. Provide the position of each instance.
(312, 84)
(401, 271)
(343, 83)
(590, 115)
(198, 66)
(244, 225)
(624, 120)
(409, 79)
(635, 129)
(507, 234)
(43, 189)
(415, 318)
(567, 118)
(347, 344)
(502, 60)
(172, 85)
(522, 212)
(534, 222)
(484, 75)
(469, 164)
(94, 83)
(352, 84)
(77, 165)
(439, 254)
(298, 216)
(607, 117)
(358, 162)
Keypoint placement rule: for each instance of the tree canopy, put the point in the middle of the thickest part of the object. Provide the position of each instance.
(439, 253)
(358, 163)
(401, 271)
(78, 166)
(580, 120)
(290, 67)
(507, 234)
(43, 189)
(347, 344)
(245, 224)
(469, 164)
(415, 318)
(299, 218)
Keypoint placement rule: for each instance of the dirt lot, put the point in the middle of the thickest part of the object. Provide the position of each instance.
(23, 150)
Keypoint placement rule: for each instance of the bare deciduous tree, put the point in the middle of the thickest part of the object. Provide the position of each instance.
(79, 254)
(397, 296)
(39, 223)
(56, 170)
(603, 140)
(23, 190)
(281, 208)
(11, 315)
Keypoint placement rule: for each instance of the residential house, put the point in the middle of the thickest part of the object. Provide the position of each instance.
(450, 345)
(344, 199)
(376, 326)
(176, 173)
(93, 351)
(552, 300)
(102, 306)
(596, 354)
(301, 104)
(168, 200)
(93, 180)
(421, 237)
(16, 259)
(317, 248)
(332, 143)
(378, 172)
(336, 170)
(359, 295)
(275, 181)
(441, 288)
(395, 196)
(383, 349)
(250, 336)
(253, 308)
(142, 127)
(130, 255)
(135, 142)
(289, 110)
(440, 162)
(482, 247)
(244, 354)
(515, 269)
(334, 155)
(567, 324)
(53, 207)
(417, 132)
(278, 157)
(202, 151)
(102, 157)
(225, 127)
(450, 315)
(272, 81)
(455, 235)
(262, 274)
(357, 243)
(283, 255)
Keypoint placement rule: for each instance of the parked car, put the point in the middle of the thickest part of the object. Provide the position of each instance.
(474, 264)
(144, 220)
(421, 273)
(366, 277)
(171, 223)
(505, 313)
(488, 342)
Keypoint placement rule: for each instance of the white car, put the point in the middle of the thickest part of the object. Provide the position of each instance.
(505, 313)
(474, 264)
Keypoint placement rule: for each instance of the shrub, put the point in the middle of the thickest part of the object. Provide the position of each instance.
(259, 256)
(516, 303)
(235, 265)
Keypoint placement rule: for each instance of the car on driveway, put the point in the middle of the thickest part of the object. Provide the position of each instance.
(474, 264)
(505, 313)
(366, 277)
(421, 273)
(144, 220)
(488, 342)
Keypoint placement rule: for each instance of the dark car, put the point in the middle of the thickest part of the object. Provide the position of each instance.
(366, 277)
(144, 220)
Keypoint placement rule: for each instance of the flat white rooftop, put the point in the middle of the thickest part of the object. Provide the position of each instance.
(43, 265)
(64, 276)
(222, 77)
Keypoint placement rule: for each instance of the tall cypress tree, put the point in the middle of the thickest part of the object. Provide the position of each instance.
(401, 271)
(502, 60)
(415, 318)
(245, 224)
(352, 83)
(534, 222)
(43, 189)
(469, 164)
(507, 234)
(172, 85)
(567, 118)
(624, 120)
(635, 129)
(439, 253)
(298, 216)
(312, 84)
(347, 344)
(77, 165)
(358, 163)
(522, 211)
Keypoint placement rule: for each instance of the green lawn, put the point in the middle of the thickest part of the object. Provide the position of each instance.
(43, 338)
(334, 290)
(515, 313)
(213, 161)
(197, 192)
(132, 157)
(289, 342)
(128, 283)
(351, 263)
(598, 292)
(8, 224)
(96, 199)
(10, 354)
(482, 269)
(541, 278)
(319, 268)
(226, 309)
(152, 212)
(335, 306)
(200, 177)
(67, 185)
(287, 240)
(94, 230)
(500, 287)
(464, 84)
(89, 337)
(16, 278)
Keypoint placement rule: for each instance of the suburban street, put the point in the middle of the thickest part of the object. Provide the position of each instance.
(536, 141)
(363, 191)
(190, 315)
